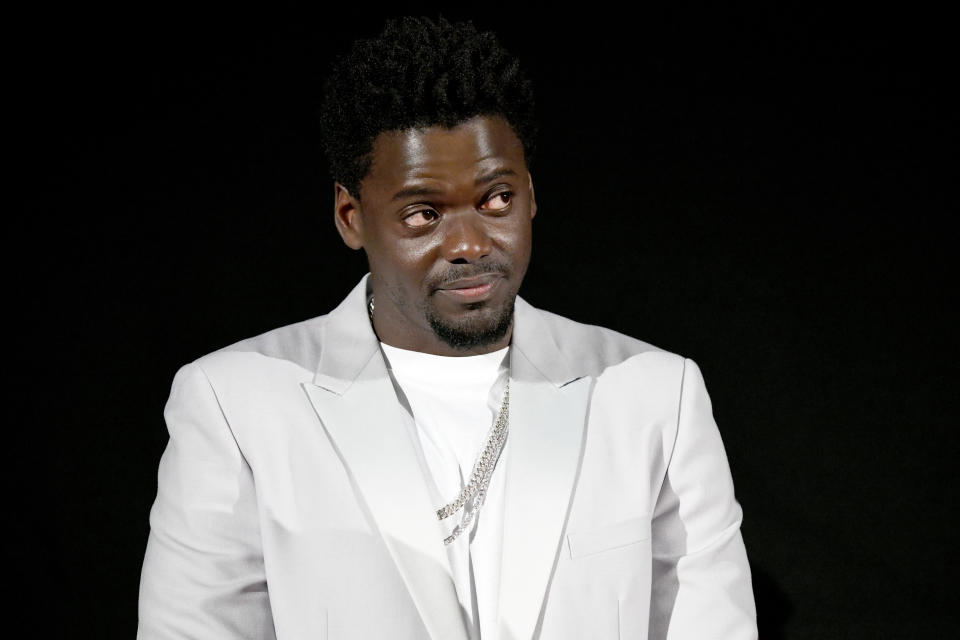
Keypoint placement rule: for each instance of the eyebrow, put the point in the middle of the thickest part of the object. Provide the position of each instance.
(493, 175)
(411, 192)
(415, 191)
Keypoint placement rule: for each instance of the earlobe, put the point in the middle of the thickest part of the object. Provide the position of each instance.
(533, 199)
(346, 216)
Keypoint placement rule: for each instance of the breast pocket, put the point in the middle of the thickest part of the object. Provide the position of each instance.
(614, 536)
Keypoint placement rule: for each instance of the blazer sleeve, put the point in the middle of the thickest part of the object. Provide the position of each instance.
(701, 579)
(203, 574)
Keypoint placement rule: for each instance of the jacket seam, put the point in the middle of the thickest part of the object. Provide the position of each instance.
(679, 415)
(223, 413)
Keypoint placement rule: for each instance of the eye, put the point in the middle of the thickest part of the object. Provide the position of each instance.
(421, 218)
(498, 201)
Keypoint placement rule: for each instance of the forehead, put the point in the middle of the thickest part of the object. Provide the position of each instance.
(478, 145)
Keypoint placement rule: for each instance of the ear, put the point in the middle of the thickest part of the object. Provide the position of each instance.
(533, 198)
(346, 216)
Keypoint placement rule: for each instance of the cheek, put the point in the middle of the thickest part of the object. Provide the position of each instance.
(404, 264)
(517, 241)
(416, 254)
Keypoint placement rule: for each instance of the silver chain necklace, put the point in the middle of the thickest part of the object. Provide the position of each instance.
(483, 468)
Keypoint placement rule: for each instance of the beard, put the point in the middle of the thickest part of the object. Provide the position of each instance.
(475, 331)
(484, 325)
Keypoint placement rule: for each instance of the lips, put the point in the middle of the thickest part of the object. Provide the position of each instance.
(471, 289)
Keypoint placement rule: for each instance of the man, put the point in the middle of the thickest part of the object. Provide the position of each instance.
(435, 458)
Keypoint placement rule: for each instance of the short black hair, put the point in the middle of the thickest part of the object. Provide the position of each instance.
(419, 73)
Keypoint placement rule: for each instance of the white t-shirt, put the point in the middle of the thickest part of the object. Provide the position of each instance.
(454, 402)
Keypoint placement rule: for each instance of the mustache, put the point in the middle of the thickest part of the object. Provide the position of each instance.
(459, 271)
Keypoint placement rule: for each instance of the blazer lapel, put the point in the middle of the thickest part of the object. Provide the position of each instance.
(547, 414)
(357, 404)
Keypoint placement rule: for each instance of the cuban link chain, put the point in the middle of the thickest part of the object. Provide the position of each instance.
(476, 488)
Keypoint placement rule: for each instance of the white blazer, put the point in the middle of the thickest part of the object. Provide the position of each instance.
(292, 503)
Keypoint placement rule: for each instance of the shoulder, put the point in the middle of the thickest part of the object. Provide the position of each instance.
(636, 380)
(593, 349)
(293, 348)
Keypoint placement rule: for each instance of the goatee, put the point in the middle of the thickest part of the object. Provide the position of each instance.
(472, 332)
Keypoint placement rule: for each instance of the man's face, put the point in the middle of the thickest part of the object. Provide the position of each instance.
(444, 216)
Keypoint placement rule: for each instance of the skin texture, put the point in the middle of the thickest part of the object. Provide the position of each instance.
(443, 210)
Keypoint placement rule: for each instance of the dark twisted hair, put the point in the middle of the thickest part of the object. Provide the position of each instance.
(419, 73)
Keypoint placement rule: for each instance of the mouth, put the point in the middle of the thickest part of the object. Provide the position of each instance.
(471, 289)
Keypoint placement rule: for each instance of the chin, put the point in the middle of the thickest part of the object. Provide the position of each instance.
(480, 328)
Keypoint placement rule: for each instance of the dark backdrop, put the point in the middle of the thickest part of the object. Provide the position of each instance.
(765, 192)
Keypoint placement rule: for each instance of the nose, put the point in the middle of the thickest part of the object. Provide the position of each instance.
(466, 239)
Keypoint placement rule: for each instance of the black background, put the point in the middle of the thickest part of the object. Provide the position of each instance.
(766, 192)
